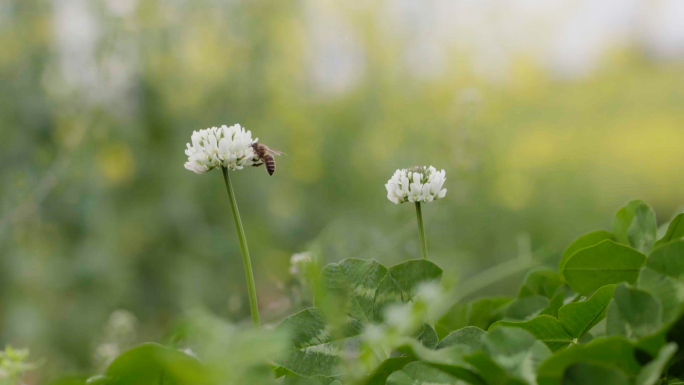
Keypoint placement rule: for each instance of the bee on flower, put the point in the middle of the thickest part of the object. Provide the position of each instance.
(231, 148)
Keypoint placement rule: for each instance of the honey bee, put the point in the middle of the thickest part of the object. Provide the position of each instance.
(265, 154)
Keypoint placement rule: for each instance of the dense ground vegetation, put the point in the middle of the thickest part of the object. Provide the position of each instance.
(612, 313)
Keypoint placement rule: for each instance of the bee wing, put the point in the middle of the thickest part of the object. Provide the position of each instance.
(274, 152)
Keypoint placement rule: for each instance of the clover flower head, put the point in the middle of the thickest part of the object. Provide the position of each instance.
(122, 324)
(299, 262)
(400, 316)
(229, 147)
(430, 293)
(416, 184)
(435, 296)
(107, 352)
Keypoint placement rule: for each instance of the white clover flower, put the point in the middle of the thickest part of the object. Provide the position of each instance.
(435, 296)
(299, 261)
(106, 353)
(229, 147)
(121, 323)
(417, 184)
(430, 293)
(404, 318)
(399, 316)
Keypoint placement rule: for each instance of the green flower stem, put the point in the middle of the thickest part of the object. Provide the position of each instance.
(421, 232)
(249, 274)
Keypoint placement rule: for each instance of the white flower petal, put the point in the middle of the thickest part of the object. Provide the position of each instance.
(418, 184)
(229, 147)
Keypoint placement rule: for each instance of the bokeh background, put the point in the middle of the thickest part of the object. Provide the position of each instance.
(546, 116)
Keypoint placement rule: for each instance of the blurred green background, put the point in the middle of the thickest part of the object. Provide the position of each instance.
(546, 117)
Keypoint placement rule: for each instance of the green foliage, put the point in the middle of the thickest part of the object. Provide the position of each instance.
(545, 328)
(386, 368)
(352, 286)
(154, 364)
(635, 225)
(354, 292)
(480, 313)
(675, 230)
(14, 365)
(517, 352)
(668, 260)
(420, 373)
(651, 373)
(669, 291)
(616, 352)
(584, 373)
(633, 313)
(527, 307)
(582, 242)
(603, 264)
(316, 345)
(541, 281)
(469, 336)
(612, 317)
(578, 318)
(556, 303)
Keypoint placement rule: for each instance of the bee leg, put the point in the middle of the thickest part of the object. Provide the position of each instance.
(257, 165)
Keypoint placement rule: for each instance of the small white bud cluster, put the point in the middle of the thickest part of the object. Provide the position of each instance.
(417, 184)
(299, 262)
(229, 147)
(120, 333)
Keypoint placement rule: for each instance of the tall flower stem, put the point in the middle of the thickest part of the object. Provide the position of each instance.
(421, 232)
(249, 274)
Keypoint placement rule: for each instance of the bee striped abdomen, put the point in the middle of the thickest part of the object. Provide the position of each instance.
(270, 163)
